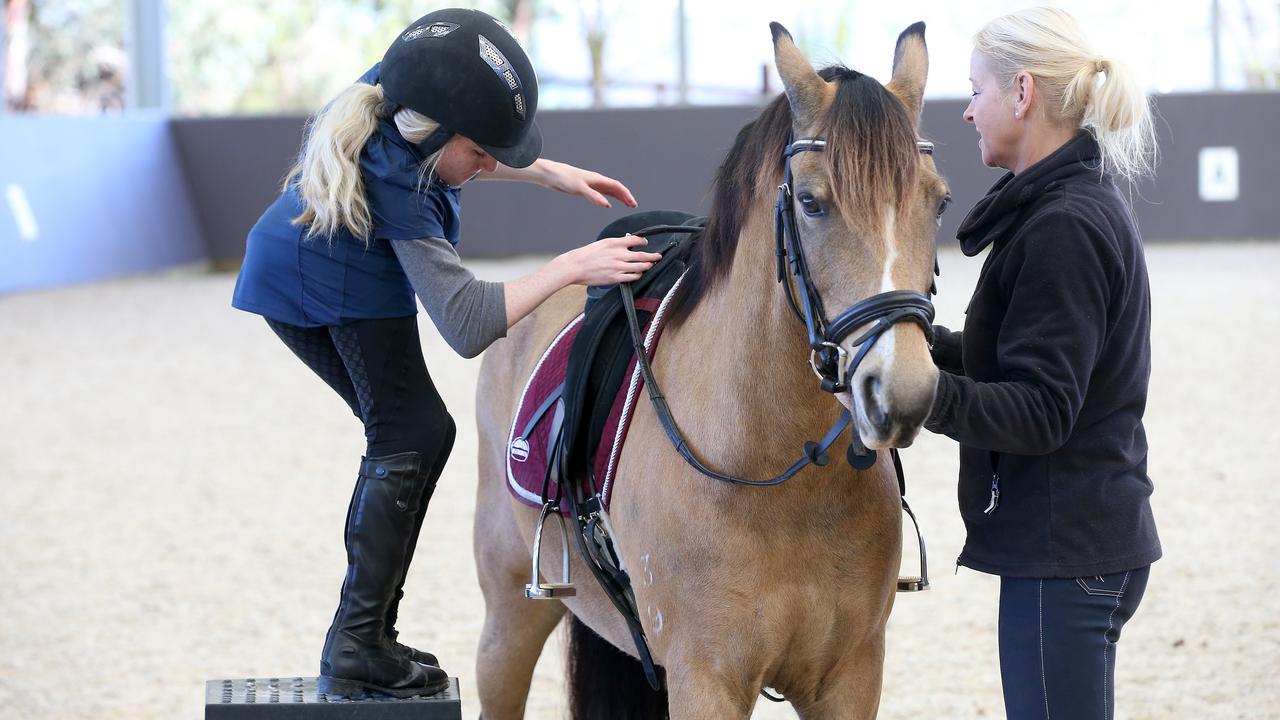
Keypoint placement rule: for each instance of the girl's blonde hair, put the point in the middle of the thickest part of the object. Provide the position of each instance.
(327, 174)
(1086, 89)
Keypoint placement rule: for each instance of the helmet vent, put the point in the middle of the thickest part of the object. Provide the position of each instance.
(498, 62)
(491, 54)
(434, 30)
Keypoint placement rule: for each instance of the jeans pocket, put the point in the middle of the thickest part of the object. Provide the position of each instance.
(1104, 585)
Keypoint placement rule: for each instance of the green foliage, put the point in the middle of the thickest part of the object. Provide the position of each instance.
(262, 56)
(76, 62)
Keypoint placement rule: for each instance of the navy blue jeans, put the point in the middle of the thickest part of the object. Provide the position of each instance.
(1058, 642)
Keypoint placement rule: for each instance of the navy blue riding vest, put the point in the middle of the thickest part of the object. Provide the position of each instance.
(339, 278)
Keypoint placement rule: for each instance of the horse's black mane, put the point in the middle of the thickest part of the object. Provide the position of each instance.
(871, 148)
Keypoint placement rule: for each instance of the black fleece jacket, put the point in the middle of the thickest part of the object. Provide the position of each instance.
(1046, 387)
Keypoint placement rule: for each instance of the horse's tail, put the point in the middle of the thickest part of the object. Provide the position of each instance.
(605, 682)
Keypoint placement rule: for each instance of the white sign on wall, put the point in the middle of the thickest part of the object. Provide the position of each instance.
(1219, 174)
(22, 215)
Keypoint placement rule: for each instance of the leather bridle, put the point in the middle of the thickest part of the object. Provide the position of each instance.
(829, 359)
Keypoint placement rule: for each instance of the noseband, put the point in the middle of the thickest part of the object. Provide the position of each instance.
(829, 359)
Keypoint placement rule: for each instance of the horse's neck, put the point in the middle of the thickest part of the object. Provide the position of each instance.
(745, 358)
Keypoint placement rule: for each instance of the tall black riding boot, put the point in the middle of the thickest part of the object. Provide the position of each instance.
(393, 609)
(358, 656)
(432, 477)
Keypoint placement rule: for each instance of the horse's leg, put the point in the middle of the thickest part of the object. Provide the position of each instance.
(515, 630)
(708, 680)
(700, 695)
(852, 692)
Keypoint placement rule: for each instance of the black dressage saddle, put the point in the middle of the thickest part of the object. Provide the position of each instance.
(603, 350)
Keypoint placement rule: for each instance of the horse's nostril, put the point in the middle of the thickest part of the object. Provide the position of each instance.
(871, 400)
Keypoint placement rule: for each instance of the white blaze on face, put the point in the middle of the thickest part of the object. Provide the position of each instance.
(885, 344)
(884, 347)
(890, 252)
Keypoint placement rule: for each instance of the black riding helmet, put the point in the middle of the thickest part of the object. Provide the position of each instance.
(463, 69)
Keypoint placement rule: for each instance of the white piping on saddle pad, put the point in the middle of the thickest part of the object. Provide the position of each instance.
(511, 436)
(654, 326)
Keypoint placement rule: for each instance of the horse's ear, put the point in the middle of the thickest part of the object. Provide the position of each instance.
(910, 69)
(806, 90)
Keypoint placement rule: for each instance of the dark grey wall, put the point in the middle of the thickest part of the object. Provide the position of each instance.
(107, 197)
(120, 195)
(234, 167)
(668, 157)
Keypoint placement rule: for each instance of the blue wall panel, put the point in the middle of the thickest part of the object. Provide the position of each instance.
(106, 197)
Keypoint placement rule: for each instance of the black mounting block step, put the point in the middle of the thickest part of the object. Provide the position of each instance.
(296, 698)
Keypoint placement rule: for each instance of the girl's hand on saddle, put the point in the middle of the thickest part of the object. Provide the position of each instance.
(606, 261)
(593, 186)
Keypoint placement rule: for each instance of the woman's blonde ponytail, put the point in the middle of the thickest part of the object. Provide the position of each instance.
(327, 174)
(1120, 115)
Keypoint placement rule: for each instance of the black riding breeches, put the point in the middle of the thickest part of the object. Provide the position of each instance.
(376, 366)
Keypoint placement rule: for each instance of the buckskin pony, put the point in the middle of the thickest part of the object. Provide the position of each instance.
(740, 589)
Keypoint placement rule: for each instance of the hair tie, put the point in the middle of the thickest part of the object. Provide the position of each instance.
(1100, 65)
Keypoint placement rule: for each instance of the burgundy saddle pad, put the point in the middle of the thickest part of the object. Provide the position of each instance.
(537, 415)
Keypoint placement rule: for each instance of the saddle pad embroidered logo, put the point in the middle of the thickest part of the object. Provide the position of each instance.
(519, 450)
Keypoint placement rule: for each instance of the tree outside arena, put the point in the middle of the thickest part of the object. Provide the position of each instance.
(72, 57)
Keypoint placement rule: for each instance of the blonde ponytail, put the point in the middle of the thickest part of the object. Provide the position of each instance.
(1120, 115)
(1080, 87)
(327, 174)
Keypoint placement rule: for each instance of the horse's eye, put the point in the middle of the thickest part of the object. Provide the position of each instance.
(810, 205)
(942, 206)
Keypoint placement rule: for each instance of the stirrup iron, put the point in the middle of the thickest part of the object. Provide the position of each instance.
(911, 583)
(548, 590)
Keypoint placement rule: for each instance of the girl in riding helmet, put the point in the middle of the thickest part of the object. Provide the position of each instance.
(369, 216)
(1046, 386)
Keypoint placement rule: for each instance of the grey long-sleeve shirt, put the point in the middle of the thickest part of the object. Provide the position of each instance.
(469, 313)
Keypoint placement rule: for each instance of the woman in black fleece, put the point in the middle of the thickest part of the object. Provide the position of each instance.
(1046, 387)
